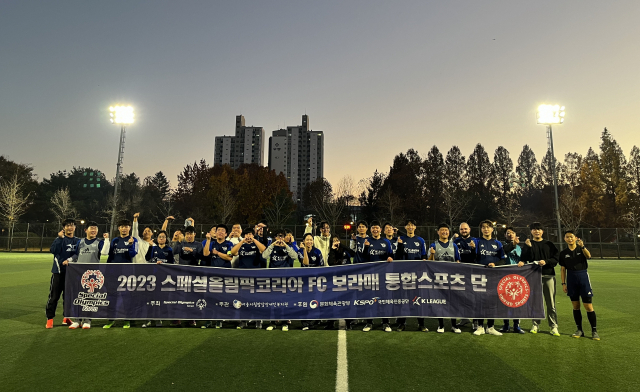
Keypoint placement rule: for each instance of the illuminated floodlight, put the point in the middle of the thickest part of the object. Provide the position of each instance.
(550, 114)
(121, 114)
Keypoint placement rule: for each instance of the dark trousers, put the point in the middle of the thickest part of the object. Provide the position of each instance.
(490, 322)
(55, 290)
(384, 321)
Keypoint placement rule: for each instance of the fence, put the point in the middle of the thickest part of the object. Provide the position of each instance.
(602, 242)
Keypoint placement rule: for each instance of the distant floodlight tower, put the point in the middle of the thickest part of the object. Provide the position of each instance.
(120, 115)
(548, 115)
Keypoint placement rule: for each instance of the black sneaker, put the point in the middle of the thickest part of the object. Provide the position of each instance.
(207, 325)
(505, 328)
(330, 325)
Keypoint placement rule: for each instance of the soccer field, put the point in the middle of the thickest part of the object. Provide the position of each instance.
(34, 358)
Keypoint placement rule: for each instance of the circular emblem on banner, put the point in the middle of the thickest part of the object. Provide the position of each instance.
(201, 304)
(313, 304)
(237, 304)
(92, 280)
(514, 290)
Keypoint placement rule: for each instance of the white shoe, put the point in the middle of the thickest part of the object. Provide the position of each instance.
(305, 328)
(554, 332)
(285, 327)
(74, 325)
(493, 331)
(455, 330)
(440, 330)
(534, 329)
(86, 324)
(367, 328)
(147, 324)
(387, 328)
(479, 331)
(270, 328)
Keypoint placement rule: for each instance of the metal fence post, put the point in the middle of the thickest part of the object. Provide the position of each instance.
(13, 226)
(600, 242)
(26, 240)
(618, 243)
(42, 237)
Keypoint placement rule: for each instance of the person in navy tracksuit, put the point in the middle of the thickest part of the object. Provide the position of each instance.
(63, 248)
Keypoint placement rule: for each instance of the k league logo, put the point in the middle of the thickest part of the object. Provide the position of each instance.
(92, 283)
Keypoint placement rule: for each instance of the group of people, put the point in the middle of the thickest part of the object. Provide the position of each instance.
(256, 247)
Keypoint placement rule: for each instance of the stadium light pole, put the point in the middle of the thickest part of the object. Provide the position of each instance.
(549, 115)
(119, 115)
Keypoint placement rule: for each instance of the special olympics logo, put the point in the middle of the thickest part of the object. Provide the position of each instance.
(313, 304)
(92, 283)
(201, 304)
(237, 304)
(514, 290)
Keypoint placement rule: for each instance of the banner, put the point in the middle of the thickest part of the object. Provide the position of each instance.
(357, 291)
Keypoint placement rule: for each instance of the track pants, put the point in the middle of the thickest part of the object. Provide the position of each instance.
(55, 290)
(549, 291)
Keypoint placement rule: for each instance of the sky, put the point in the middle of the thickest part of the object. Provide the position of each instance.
(378, 77)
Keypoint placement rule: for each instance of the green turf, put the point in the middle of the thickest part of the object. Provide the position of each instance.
(34, 358)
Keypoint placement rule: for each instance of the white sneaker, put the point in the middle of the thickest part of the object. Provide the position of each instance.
(367, 328)
(270, 328)
(493, 331)
(86, 324)
(259, 324)
(305, 328)
(387, 328)
(440, 330)
(147, 324)
(455, 330)
(534, 329)
(285, 327)
(479, 331)
(554, 332)
(74, 325)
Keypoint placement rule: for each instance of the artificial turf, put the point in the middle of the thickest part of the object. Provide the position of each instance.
(34, 358)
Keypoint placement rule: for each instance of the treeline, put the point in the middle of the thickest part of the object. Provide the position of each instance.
(598, 189)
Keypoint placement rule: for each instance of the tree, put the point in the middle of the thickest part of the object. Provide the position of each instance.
(192, 193)
(391, 208)
(405, 182)
(13, 199)
(455, 198)
(528, 170)
(572, 209)
(222, 194)
(613, 166)
(326, 203)
(368, 198)
(479, 177)
(255, 188)
(280, 209)
(504, 186)
(62, 206)
(592, 188)
(432, 174)
(633, 171)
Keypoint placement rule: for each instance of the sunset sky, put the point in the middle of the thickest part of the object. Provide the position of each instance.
(378, 77)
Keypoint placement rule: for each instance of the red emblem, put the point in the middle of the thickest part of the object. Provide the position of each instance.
(514, 290)
(92, 283)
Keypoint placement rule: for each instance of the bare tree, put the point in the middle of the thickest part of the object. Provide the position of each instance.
(280, 210)
(509, 208)
(391, 207)
(13, 202)
(225, 205)
(166, 207)
(572, 209)
(455, 205)
(62, 206)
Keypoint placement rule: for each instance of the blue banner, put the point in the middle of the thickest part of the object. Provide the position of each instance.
(358, 291)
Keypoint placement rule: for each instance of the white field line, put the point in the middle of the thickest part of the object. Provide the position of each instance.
(342, 372)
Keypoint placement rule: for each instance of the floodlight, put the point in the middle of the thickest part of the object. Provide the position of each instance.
(550, 114)
(121, 114)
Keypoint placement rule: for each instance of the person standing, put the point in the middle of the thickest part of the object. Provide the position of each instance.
(249, 251)
(576, 283)
(411, 247)
(89, 250)
(63, 248)
(123, 249)
(444, 249)
(514, 253)
(322, 241)
(545, 254)
(377, 249)
(311, 257)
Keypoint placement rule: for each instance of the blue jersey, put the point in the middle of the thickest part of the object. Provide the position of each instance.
(489, 251)
(314, 255)
(224, 247)
(412, 248)
(62, 249)
(249, 256)
(121, 251)
(156, 253)
(357, 246)
(467, 253)
(378, 250)
(280, 257)
(394, 244)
